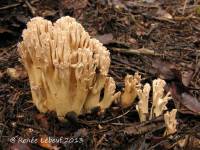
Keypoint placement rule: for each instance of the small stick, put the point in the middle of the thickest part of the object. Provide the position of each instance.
(9, 6)
(30, 8)
(158, 18)
(109, 120)
(100, 141)
(184, 7)
(137, 51)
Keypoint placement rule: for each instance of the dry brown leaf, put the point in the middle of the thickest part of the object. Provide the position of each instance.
(164, 14)
(74, 4)
(169, 71)
(184, 101)
(187, 77)
(42, 119)
(20, 146)
(105, 38)
(190, 102)
(164, 69)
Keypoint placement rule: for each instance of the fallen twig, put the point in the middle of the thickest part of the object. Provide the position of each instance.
(137, 129)
(139, 51)
(109, 120)
(100, 141)
(158, 18)
(184, 7)
(10, 6)
(30, 8)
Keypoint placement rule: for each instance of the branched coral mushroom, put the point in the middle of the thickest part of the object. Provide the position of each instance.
(67, 69)
(142, 106)
(159, 99)
(170, 122)
(132, 84)
(133, 88)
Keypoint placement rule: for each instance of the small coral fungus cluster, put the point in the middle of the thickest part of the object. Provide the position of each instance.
(68, 71)
(133, 88)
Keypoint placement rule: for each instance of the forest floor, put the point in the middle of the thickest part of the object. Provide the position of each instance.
(157, 38)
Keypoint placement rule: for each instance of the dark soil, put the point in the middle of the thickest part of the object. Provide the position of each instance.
(123, 26)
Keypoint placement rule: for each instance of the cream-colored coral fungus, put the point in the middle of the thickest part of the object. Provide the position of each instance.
(159, 99)
(142, 106)
(170, 122)
(67, 69)
(132, 84)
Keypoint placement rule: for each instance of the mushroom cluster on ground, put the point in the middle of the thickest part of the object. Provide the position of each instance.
(68, 72)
